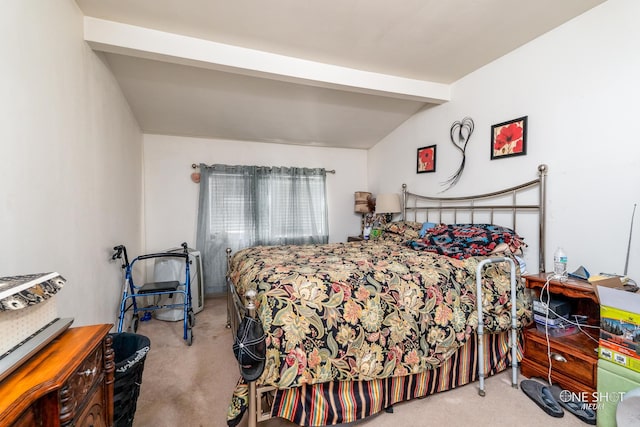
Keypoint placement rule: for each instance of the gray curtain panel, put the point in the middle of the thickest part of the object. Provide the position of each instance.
(243, 206)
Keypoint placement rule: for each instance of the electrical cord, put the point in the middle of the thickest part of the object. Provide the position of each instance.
(546, 324)
(548, 310)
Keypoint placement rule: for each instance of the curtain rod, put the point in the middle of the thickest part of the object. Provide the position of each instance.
(194, 166)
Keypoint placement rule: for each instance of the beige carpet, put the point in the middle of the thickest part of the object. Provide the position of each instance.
(192, 386)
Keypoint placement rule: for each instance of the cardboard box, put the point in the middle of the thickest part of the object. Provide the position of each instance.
(619, 327)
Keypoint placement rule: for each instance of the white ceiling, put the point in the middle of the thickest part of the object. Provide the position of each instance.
(339, 73)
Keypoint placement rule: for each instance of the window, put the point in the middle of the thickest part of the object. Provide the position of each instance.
(242, 206)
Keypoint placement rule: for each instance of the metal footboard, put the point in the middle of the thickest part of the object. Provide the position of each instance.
(514, 321)
(236, 310)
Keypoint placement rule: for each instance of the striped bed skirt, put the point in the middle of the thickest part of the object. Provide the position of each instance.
(344, 401)
(340, 402)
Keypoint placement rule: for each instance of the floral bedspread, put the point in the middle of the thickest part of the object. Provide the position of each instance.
(366, 310)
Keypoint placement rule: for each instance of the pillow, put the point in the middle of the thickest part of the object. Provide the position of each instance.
(401, 231)
(522, 264)
(425, 227)
(465, 240)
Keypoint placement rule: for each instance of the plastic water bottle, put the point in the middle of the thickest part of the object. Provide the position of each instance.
(367, 232)
(560, 263)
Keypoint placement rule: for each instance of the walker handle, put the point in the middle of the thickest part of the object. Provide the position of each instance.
(120, 250)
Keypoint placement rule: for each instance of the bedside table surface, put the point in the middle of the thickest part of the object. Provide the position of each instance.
(573, 288)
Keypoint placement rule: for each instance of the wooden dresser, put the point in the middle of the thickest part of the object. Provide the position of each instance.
(67, 383)
(574, 358)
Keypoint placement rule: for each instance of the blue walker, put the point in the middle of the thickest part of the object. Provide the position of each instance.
(131, 291)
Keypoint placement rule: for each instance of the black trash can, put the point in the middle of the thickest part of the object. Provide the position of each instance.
(130, 352)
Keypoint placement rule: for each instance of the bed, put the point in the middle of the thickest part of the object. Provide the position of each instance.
(353, 328)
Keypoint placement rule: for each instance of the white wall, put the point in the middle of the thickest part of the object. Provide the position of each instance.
(171, 198)
(579, 87)
(70, 181)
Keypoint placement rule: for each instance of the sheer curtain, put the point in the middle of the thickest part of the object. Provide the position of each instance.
(242, 206)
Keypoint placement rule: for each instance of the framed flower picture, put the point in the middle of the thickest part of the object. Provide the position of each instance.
(509, 138)
(426, 159)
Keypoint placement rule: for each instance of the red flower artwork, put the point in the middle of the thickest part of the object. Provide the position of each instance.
(509, 138)
(427, 159)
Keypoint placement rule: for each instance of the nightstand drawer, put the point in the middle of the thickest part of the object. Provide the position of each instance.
(570, 363)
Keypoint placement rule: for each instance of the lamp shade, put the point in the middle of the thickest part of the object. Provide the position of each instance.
(361, 202)
(388, 203)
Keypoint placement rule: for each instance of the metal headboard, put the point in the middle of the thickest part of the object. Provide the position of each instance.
(414, 203)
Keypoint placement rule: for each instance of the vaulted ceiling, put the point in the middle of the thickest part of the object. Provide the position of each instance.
(338, 73)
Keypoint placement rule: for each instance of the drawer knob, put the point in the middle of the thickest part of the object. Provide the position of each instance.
(88, 372)
(558, 357)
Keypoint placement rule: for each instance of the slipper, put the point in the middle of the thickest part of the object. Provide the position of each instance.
(571, 403)
(542, 397)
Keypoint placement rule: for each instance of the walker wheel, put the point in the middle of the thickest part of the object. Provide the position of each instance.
(189, 337)
(191, 319)
(134, 323)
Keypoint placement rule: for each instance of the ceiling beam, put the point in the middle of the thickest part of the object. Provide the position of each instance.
(116, 37)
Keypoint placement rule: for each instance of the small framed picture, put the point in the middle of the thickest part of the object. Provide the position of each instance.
(509, 138)
(426, 159)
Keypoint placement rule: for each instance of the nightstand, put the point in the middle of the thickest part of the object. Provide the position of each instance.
(574, 357)
(355, 239)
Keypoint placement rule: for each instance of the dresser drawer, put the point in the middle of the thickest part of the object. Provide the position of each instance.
(27, 419)
(93, 413)
(76, 391)
(565, 359)
(87, 374)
